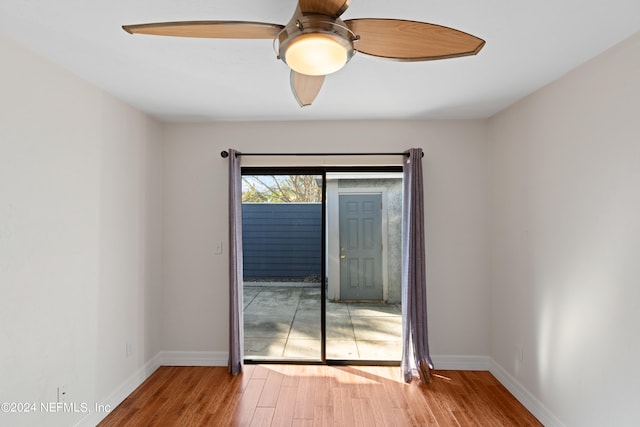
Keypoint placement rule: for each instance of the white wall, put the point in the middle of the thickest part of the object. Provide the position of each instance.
(80, 226)
(196, 297)
(564, 167)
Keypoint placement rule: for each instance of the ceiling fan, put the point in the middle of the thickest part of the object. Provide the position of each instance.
(316, 42)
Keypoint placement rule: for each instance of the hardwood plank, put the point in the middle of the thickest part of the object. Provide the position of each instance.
(343, 407)
(306, 397)
(291, 375)
(245, 377)
(363, 412)
(271, 390)
(296, 395)
(260, 371)
(249, 403)
(383, 411)
(283, 415)
(323, 416)
(262, 417)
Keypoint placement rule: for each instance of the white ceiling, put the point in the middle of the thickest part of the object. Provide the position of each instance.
(528, 44)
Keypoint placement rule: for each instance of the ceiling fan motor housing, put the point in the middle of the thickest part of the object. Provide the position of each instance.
(329, 36)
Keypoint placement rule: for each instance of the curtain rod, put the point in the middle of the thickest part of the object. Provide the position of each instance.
(225, 154)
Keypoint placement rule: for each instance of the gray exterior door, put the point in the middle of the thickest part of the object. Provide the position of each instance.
(360, 246)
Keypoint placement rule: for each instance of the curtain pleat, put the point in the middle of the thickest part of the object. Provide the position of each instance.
(236, 339)
(415, 349)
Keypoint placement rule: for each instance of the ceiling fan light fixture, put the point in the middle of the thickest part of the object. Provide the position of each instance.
(315, 45)
(316, 54)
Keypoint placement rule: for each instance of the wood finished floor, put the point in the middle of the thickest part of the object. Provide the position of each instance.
(305, 395)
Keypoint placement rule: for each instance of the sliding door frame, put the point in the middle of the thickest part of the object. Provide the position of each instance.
(320, 171)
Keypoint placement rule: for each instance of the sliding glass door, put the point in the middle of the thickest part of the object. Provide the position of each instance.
(282, 219)
(321, 251)
(364, 230)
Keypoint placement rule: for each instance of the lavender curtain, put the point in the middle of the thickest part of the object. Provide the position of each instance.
(236, 339)
(415, 348)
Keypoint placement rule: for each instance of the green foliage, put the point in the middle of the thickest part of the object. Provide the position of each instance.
(281, 189)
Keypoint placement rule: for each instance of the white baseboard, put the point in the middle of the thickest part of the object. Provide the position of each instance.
(535, 406)
(121, 392)
(450, 362)
(194, 358)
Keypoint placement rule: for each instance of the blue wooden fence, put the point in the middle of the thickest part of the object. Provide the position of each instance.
(281, 240)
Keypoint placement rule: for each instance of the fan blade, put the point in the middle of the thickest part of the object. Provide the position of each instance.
(411, 40)
(305, 88)
(333, 8)
(208, 29)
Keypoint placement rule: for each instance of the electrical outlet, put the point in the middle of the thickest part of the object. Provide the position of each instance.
(219, 247)
(62, 394)
(519, 353)
(128, 349)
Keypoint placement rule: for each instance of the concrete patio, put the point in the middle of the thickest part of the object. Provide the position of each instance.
(282, 322)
